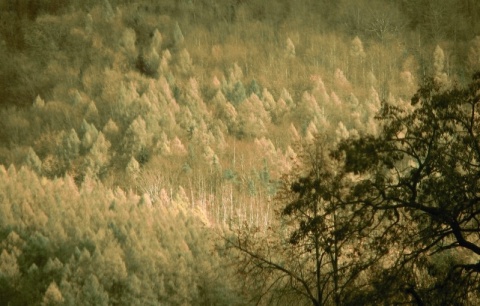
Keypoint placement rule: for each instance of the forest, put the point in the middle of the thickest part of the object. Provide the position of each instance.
(239, 152)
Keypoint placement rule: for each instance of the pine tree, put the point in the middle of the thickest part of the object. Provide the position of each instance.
(253, 88)
(93, 293)
(89, 135)
(341, 133)
(137, 140)
(371, 79)
(268, 100)
(9, 269)
(123, 95)
(69, 148)
(109, 265)
(75, 98)
(473, 56)
(438, 67)
(178, 38)
(290, 48)
(52, 296)
(237, 94)
(267, 149)
(150, 61)
(110, 130)
(133, 168)
(107, 10)
(183, 63)
(163, 145)
(88, 24)
(359, 55)
(253, 118)
(280, 111)
(373, 104)
(165, 62)
(235, 74)
(356, 49)
(225, 111)
(294, 135)
(177, 147)
(33, 161)
(91, 113)
(39, 103)
(98, 157)
(311, 129)
(319, 91)
(307, 109)
(209, 156)
(127, 44)
(341, 81)
(285, 95)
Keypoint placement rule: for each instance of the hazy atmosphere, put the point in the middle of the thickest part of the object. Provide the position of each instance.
(239, 152)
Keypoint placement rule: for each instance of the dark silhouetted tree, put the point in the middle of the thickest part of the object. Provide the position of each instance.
(424, 169)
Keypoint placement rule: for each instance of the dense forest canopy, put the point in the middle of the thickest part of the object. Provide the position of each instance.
(237, 152)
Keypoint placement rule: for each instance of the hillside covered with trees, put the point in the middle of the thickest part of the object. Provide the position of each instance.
(239, 152)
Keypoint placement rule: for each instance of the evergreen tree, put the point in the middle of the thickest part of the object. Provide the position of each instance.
(254, 88)
(89, 135)
(111, 130)
(127, 44)
(183, 63)
(69, 148)
(438, 67)
(290, 48)
(253, 118)
(39, 103)
(237, 94)
(178, 38)
(91, 113)
(225, 111)
(52, 296)
(33, 161)
(9, 267)
(341, 81)
(157, 40)
(473, 56)
(177, 147)
(133, 168)
(93, 293)
(137, 140)
(268, 100)
(358, 54)
(357, 49)
(98, 157)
